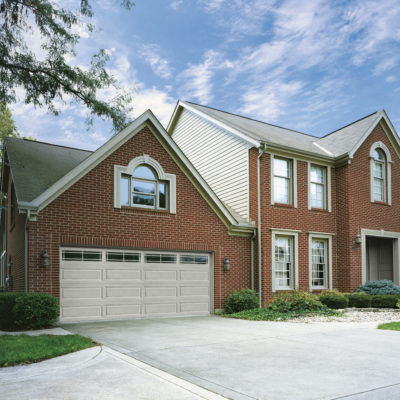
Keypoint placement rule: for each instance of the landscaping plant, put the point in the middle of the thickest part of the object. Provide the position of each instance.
(379, 287)
(245, 299)
(384, 300)
(296, 300)
(7, 303)
(334, 299)
(359, 300)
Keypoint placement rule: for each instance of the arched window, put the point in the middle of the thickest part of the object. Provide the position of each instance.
(380, 173)
(144, 189)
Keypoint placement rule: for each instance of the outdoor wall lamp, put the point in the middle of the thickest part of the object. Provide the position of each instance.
(227, 264)
(45, 258)
(357, 240)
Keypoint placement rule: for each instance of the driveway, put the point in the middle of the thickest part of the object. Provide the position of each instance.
(263, 360)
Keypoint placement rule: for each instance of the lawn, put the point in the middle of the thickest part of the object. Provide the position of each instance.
(391, 326)
(265, 314)
(24, 349)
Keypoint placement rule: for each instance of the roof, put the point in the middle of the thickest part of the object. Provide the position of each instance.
(335, 144)
(42, 171)
(36, 166)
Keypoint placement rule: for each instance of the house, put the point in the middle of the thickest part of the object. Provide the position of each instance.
(327, 209)
(163, 223)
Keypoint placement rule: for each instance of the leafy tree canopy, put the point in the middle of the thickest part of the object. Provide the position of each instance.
(49, 79)
(7, 125)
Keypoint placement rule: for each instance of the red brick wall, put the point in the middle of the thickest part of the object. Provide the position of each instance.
(84, 215)
(15, 242)
(361, 212)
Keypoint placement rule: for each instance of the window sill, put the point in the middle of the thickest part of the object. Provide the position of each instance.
(323, 210)
(381, 203)
(142, 210)
(284, 205)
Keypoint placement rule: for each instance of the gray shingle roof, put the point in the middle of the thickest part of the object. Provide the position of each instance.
(36, 166)
(336, 143)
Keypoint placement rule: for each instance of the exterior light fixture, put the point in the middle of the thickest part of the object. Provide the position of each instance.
(45, 258)
(227, 264)
(357, 240)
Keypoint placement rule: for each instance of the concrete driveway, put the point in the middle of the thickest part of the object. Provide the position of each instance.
(263, 360)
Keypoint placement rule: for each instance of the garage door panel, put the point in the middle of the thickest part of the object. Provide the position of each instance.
(116, 290)
(113, 292)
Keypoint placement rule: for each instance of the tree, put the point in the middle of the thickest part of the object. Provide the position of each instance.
(49, 79)
(7, 125)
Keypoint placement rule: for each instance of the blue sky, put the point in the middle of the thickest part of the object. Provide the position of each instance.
(311, 66)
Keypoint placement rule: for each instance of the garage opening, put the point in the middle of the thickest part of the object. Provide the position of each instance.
(107, 284)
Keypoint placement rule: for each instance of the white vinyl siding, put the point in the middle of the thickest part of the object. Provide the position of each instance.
(219, 156)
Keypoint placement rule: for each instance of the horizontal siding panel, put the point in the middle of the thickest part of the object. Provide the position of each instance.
(220, 157)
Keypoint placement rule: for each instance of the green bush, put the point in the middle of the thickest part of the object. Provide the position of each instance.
(35, 310)
(334, 299)
(296, 300)
(398, 304)
(7, 303)
(359, 300)
(379, 287)
(245, 299)
(384, 300)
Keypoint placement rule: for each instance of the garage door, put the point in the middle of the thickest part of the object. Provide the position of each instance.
(103, 284)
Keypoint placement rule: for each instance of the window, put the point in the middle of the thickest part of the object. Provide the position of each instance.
(81, 255)
(282, 181)
(283, 262)
(143, 183)
(193, 259)
(318, 263)
(379, 175)
(143, 189)
(318, 186)
(160, 258)
(120, 256)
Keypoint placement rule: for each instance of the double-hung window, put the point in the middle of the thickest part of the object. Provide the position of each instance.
(319, 263)
(283, 262)
(318, 196)
(379, 176)
(282, 181)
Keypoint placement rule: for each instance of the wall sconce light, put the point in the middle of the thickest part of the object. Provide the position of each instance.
(227, 264)
(45, 258)
(357, 240)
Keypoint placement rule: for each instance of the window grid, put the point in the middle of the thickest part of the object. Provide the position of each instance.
(81, 255)
(282, 181)
(379, 167)
(318, 186)
(283, 262)
(319, 263)
(119, 256)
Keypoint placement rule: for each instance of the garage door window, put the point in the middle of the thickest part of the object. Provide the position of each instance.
(160, 258)
(120, 256)
(193, 259)
(81, 255)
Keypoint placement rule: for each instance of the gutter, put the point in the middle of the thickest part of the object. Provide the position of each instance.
(26, 249)
(261, 152)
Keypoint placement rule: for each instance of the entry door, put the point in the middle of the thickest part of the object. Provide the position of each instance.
(380, 258)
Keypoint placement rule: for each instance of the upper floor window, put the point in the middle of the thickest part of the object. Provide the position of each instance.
(379, 175)
(318, 186)
(143, 183)
(143, 189)
(282, 181)
(380, 172)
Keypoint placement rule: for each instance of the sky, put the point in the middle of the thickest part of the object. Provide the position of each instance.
(309, 65)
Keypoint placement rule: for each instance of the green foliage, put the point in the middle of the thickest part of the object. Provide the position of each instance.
(245, 299)
(35, 310)
(23, 349)
(7, 125)
(7, 303)
(334, 299)
(398, 304)
(295, 301)
(48, 80)
(379, 287)
(391, 326)
(266, 314)
(359, 300)
(384, 300)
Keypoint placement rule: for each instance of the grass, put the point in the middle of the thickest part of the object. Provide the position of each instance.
(265, 314)
(391, 326)
(24, 349)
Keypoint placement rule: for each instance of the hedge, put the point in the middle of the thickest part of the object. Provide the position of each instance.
(359, 300)
(7, 303)
(245, 299)
(384, 300)
(333, 299)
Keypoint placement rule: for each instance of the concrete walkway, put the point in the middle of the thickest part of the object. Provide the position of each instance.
(263, 360)
(97, 373)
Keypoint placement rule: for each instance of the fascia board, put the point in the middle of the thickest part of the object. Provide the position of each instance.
(222, 125)
(172, 121)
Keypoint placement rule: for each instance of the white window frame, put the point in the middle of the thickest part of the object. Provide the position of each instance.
(327, 186)
(294, 235)
(292, 180)
(170, 180)
(387, 189)
(329, 277)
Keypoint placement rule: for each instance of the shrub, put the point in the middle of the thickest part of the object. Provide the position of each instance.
(359, 300)
(35, 310)
(379, 287)
(384, 300)
(245, 299)
(398, 304)
(334, 299)
(295, 301)
(7, 302)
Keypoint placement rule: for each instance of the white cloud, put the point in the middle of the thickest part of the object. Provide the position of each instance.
(175, 4)
(159, 65)
(211, 5)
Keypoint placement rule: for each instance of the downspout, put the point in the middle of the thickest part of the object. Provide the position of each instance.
(28, 214)
(253, 236)
(261, 152)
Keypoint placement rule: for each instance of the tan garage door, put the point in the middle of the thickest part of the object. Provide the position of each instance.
(104, 284)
